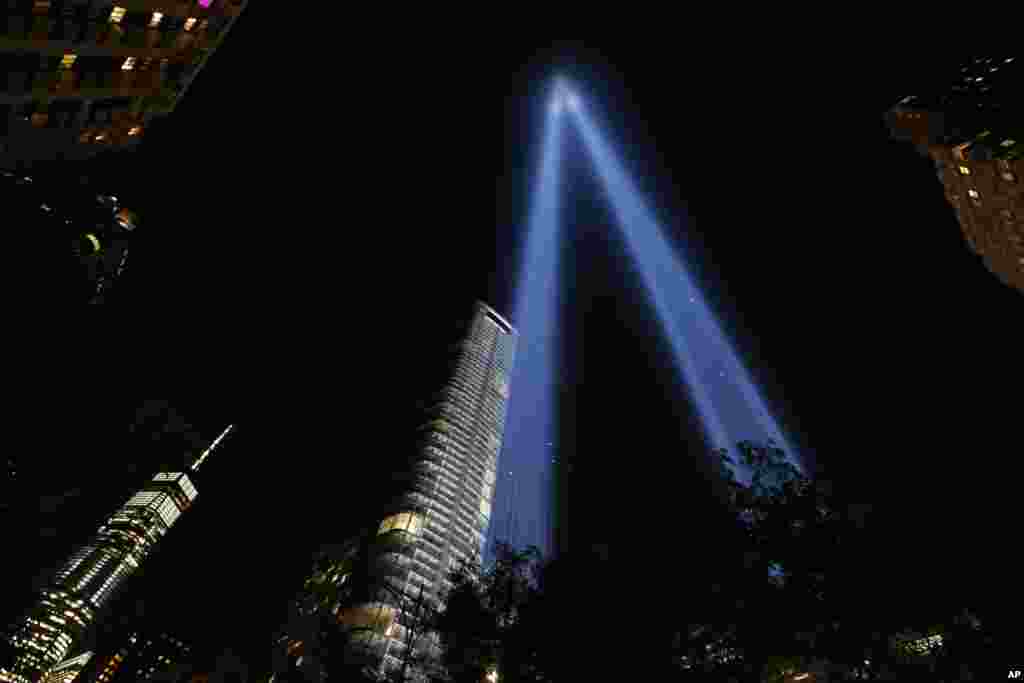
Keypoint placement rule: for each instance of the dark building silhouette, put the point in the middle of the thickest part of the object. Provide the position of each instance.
(98, 227)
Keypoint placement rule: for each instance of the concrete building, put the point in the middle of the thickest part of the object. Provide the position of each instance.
(972, 128)
(81, 76)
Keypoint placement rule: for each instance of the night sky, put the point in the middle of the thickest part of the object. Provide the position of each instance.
(324, 241)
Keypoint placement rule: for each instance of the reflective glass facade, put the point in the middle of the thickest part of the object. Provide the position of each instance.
(443, 518)
(67, 606)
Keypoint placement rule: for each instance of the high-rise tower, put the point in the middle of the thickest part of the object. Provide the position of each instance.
(442, 518)
(71, 599)
(972, 128)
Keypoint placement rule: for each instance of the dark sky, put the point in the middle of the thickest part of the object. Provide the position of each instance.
(327, 228)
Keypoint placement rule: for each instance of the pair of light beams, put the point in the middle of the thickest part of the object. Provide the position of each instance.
(730, 405)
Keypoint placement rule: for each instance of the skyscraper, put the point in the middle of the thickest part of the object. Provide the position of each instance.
(70, 601)
(441, 519)
(972, 128)
(79, 77)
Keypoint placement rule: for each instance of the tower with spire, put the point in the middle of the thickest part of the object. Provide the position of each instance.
(68, 604)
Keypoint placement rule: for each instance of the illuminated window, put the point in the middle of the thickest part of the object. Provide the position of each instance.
(129, 64)
(974, 193)
(68, 60)
(1008, 143)
(155, 21)
(1009, 177)
(189, 23)
(408, 521)
(117, 14)
(964, 170)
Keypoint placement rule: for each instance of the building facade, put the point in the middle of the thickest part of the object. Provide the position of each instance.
(68, 670)
(973, 130)
(143, 656)
(69, 603)
(82, 76)
(439, 522)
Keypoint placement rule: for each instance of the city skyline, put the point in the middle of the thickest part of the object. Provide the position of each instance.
(827, 250)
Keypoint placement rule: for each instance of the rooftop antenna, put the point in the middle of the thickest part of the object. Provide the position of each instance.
(209, 449)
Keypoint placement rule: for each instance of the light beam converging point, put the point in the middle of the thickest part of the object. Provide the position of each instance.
(564, 98)
(730, 405)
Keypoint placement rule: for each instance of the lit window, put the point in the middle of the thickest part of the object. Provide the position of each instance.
(965, 171)
(129, 64)
(1009, 177)
(68, 60)
(974, 193)
(135, 130)
(189, 23)
(408, 521)
(117, 14)
(1007, 143)
(155, 21)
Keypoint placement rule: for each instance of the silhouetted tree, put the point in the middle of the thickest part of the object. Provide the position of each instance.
(796, 595)
(491, 619)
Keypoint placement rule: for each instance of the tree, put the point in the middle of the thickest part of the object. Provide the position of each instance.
(491, 618)
(797, 593)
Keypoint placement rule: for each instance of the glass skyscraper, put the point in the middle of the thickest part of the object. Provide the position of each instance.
(68, 605)
(441, 520)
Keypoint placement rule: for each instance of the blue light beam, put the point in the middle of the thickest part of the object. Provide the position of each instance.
(525, 464)
(730, 405)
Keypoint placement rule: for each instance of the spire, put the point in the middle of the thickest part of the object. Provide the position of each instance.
(209, 449)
